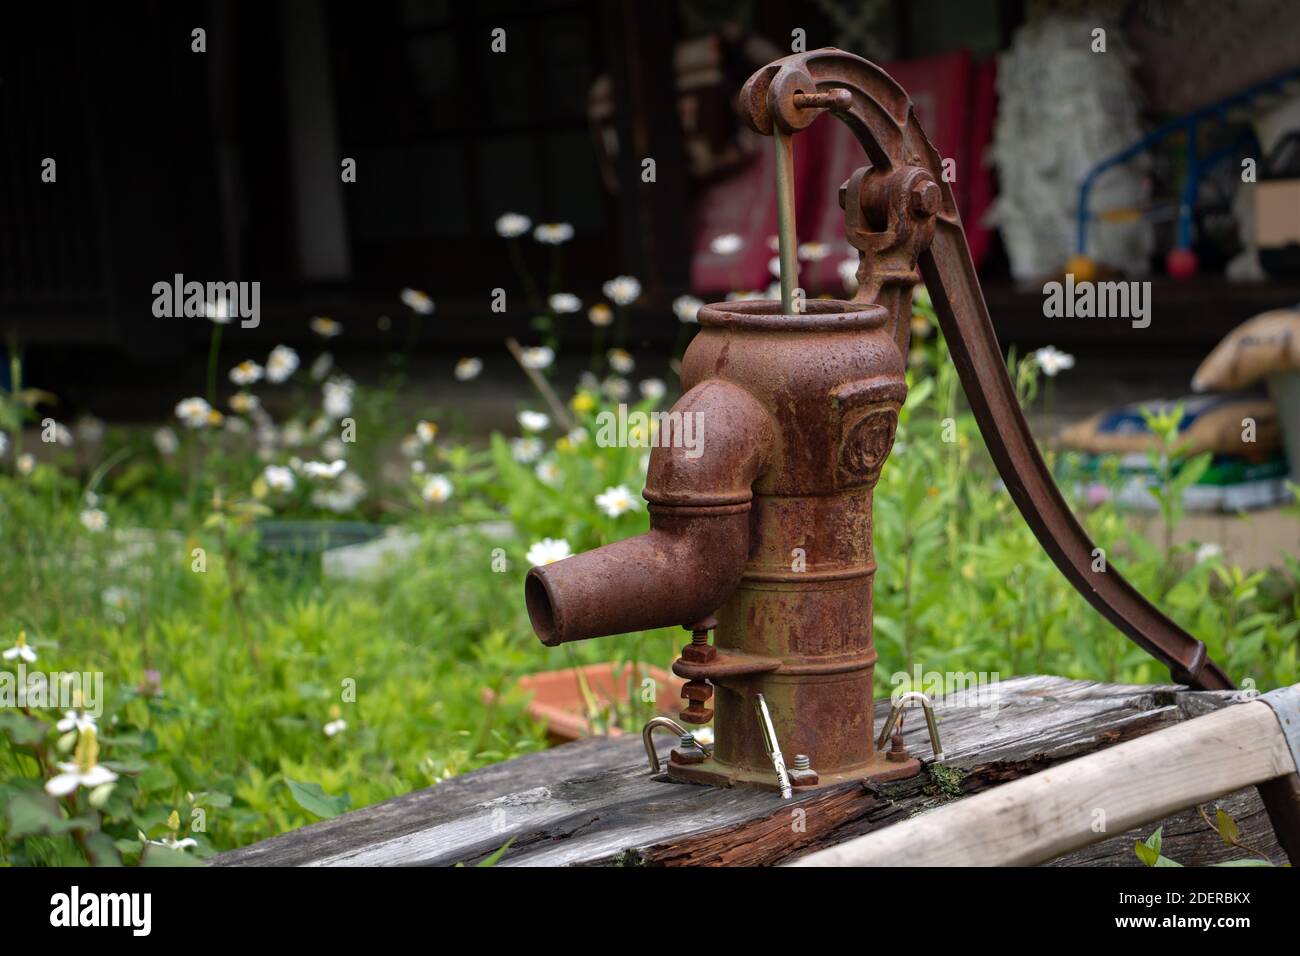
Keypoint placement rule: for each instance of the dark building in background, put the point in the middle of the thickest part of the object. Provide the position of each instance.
(225, 165)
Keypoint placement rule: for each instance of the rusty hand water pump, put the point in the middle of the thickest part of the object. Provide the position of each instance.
(798, 404)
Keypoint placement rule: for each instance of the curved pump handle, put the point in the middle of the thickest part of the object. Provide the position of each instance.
(901, 216)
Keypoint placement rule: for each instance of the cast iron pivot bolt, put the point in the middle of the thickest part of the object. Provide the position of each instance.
(925, 198)
(837, 100)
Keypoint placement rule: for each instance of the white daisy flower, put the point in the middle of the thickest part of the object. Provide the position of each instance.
(1208, 552)
(726, 244)
(616, 501)
(526, 450)
(193, 412)
(616, 388)
(531, 421)
(26, 463)
(335, 727)
(411, 445)
(538, 357)
(468, 368)
(548, 551)
(1052, 360)
(563, 303)
(320, 469)
(621, 361)
(218, 311)
(417, 301)
(336, 401)
(848, 270)
(94, 520)
(813, 251)
(548, 473)
(624, 290)
(325, 327)
(280, 364)
(116, 600)
(553, 233)
(342, 497)
(653, 389)
(426, 432)
(278, 478)
(419, 467)
(246, 373)
(165, 440)
(774, 267)
(21, 649)
(687, 308)
(242, 403)
(512, 224)
(437, 489)
(577, 436)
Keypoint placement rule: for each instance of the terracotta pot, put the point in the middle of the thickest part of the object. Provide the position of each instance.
(557, 698)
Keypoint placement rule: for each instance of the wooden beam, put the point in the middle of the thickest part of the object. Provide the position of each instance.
(1064, 808)
(595, 801)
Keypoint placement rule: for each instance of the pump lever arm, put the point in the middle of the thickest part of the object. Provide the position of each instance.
(950, 277)
(880, 114)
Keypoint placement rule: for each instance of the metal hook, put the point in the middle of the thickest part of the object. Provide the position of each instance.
(668, 723)
(773, 748)
(896, 712)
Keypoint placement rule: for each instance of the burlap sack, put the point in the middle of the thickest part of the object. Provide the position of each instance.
(1210, 423)
(1259, 347)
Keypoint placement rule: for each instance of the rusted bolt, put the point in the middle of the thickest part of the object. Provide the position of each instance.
(801, 772)
(925, 198)
(697, 692)
(699, 650)
(897, 749)
(689, 752)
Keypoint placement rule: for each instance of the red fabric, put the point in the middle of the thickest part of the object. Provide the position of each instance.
(955, 101)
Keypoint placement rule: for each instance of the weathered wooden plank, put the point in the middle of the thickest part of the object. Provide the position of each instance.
(1046, 815)
(1187, 838)
(594, 801)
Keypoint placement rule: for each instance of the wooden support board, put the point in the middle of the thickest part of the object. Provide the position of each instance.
(595, 802)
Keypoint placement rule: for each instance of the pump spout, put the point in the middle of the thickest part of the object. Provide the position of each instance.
(692, 558)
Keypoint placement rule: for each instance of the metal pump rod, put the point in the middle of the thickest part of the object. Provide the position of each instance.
(786, 237)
